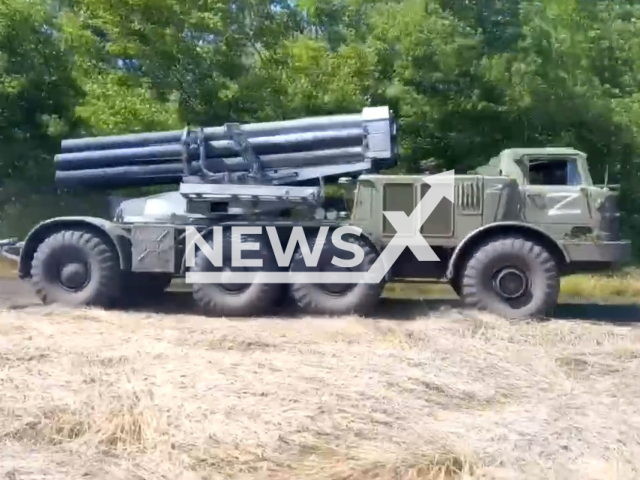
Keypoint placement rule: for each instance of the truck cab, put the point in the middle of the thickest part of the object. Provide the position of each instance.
(530, 215)
(549, 189)
(559, 194)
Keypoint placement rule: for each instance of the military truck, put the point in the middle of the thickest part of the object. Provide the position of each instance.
(504, 235)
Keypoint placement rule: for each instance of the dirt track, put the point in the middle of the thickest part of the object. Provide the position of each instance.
(17, 294)
(142, 395)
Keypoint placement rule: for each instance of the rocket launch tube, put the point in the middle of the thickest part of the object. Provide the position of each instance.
(262, 146)
(173, 171)
(308, 148)
(128, 177)
(265, 129)
(121, 177)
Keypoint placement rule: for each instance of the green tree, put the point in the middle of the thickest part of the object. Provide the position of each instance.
(38, 94)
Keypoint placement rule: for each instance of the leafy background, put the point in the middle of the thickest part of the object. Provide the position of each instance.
(466, 78)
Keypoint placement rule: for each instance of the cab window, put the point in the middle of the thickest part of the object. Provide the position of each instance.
(554, 172)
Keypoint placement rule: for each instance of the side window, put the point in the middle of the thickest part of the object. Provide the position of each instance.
(554, 172)
(573, 174)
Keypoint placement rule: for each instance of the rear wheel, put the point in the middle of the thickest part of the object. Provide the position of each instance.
(232, 298)
(335, 298)
(512, 277)
(76, 267)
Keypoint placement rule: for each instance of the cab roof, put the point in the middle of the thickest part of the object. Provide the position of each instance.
(513, 153)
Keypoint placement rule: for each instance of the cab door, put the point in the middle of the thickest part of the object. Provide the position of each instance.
(555, 194)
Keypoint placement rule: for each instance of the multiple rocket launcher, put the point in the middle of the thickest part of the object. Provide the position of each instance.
(290, 152)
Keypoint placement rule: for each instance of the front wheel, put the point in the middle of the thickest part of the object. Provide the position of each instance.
(512, 277)
(77, 268)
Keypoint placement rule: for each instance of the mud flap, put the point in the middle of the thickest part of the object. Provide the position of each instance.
(11, 249)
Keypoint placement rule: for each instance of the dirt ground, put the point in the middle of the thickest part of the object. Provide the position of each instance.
(423, 390)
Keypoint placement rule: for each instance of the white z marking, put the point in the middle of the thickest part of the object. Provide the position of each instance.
(558, 210)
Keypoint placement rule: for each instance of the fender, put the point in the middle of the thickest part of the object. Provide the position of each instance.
(497, 228)
(119, 237)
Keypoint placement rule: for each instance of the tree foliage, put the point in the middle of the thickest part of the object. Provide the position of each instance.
(467, 78)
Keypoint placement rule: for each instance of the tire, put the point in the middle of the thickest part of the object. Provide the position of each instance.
(254, 299)
(493, 276)
(76, 268)
(327, 299)
(284, 299)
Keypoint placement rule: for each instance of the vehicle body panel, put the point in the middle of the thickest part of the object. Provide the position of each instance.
(581, 220)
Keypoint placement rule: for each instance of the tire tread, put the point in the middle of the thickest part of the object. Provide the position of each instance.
(520, 246)
(109, 268)
(260, 299)
(310, 299)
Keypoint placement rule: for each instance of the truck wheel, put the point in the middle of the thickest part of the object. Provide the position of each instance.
(512, 277)
(236, 299)
(77, 268)
(336, 299)
(284, 299)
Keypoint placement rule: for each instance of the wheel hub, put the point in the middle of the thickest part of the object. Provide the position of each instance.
(227, 280)
(335, 288)
(511, 283)
(74, 276)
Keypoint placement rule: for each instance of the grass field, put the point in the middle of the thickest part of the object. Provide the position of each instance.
(453, 394)
(93, 394)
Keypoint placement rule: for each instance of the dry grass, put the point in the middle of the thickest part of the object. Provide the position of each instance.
(625, 284)
(8, 269)
(94, 394)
